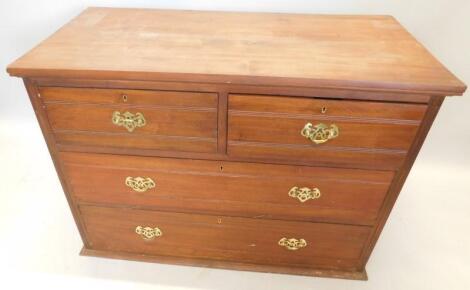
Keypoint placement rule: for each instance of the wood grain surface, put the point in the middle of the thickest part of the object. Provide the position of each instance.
(370, 133)
(225, 238)
(228, 188)
(356, 52)
(179, 121)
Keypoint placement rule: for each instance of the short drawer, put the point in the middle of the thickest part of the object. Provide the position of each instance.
(224, 238)
(133, 119)
(230, 188)
(319, 131)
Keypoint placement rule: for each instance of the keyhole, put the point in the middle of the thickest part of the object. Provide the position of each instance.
(221, 168)
(219, 220)
(124, 98)
(323, 110)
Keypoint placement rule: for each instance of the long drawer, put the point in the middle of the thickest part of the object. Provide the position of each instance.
(134, 119)
(224, 238)
(317, 131)
(230, 188)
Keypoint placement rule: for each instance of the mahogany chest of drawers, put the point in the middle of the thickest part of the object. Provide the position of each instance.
(264, 142)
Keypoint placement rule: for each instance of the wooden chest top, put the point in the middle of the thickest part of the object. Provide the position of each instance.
(348, 52)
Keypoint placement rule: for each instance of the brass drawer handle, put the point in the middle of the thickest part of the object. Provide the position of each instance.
(292, 244)
(320, 133)
(140, 184)
(128, 120)
(148, 233)
(304, 193)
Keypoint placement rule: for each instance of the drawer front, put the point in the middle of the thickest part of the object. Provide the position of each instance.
(344, 133)
(240, 189)
(224, 238)
(170, 121)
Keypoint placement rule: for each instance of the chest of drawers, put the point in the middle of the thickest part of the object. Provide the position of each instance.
(264, 142)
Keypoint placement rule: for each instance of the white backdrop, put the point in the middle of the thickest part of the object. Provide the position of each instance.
(425, 244)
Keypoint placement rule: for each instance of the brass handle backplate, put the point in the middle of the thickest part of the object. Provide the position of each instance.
(292, 244)
(140, 184)
(148, 233)
(304, 193)
(128, 120)
(320, 133)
